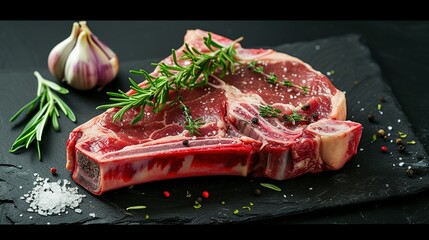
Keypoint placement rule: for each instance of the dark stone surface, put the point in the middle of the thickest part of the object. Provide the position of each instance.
(334, 196)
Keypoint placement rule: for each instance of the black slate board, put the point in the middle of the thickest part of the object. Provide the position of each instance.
(369, 176)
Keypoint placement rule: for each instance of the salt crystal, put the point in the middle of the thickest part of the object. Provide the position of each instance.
(78, 210)
(399, 120)
(401, 164)
(387, 185)
(362, 109)
(310, 188)
(358, 165)
(291, 195)
(361, 149)
(92, 215)
(47, 198)
(20, 187)
(394, 165)
(389, 127)
(48, 223)
(400, 159)
(284, 195)
(317, 47)
(30, 217)
(381, 113)
(20, 215)
(358, 102)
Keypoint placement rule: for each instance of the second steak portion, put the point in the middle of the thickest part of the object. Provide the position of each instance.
(235, 139)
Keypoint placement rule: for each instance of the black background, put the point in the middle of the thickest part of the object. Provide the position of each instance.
(400, 49)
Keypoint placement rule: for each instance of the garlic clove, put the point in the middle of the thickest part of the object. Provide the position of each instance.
(81, 68)
(58, 56)
(107, 61)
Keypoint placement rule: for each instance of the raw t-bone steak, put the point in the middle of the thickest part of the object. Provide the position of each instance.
(104, 155)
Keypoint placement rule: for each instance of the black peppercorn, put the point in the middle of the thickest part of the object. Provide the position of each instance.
(382, 99)
(257, 192)
(305, 106)
(401, 148)
(410, 172)
(255, 120)
(185, 142)
(199, 200)
(371, 117)
(315, 115)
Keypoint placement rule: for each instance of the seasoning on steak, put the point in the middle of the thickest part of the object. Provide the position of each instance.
(104, 155)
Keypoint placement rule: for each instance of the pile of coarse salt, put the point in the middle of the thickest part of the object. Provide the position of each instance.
(47, 198)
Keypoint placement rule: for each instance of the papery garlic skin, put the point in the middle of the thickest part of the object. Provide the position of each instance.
(89, 63)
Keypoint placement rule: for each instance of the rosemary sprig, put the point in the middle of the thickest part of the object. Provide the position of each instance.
(48, 103)
(270, 111)
(295, 117)
(192, 125)
(272, 78)
(174, 77)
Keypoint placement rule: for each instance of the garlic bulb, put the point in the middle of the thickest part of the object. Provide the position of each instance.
(82, 60)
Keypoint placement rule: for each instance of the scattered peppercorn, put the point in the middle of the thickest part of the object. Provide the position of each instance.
(255, 120)
(380, 133)
(185, 142)
(399, 141)
(257, 192)
(410, 172)
(401, 148)
(166, 194)
(383, 149)
(305, 106)
(198, 200)
(205, 194)
(382, 99)
(371, 117)
(54, 171)
(385, 137)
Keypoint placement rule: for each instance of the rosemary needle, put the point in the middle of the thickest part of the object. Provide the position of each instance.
(48, 102)
(192, 125)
